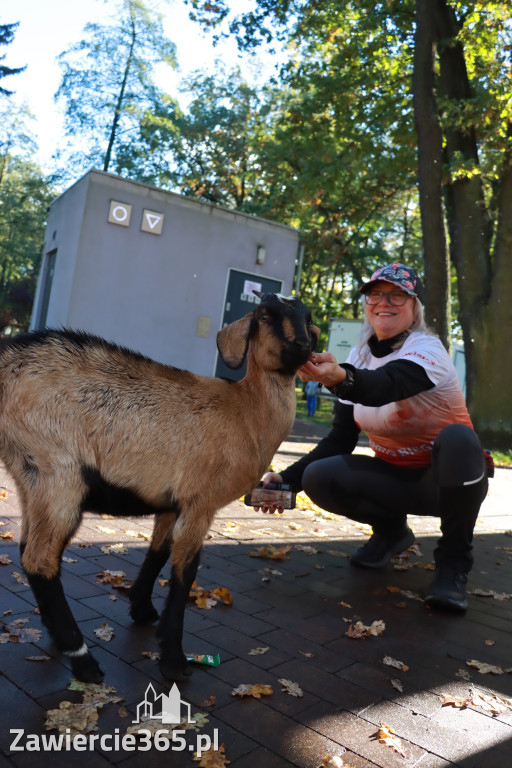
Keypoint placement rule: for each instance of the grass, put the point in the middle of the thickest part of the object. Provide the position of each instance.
(323, 415)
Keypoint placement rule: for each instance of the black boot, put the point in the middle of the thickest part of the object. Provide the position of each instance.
(379, 549)
(448, 589)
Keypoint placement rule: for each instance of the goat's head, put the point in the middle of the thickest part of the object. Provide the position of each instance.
(283, 330)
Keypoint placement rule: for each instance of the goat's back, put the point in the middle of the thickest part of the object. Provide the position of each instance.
(70, 400)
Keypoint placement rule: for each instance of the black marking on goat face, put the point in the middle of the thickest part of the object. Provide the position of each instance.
(291, 323)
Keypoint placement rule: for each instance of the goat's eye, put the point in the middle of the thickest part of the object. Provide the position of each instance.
(264, 315)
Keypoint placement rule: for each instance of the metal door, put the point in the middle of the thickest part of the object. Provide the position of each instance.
(240, 300)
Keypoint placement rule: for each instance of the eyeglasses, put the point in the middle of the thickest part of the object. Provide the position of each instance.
(395, 298)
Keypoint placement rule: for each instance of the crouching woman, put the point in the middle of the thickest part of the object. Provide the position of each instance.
(399, 386)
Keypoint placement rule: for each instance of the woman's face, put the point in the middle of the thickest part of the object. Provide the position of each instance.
(386, 319)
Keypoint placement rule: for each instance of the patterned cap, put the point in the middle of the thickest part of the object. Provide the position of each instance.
(400, 275)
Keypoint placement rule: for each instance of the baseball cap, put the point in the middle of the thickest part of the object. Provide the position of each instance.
(402, 276)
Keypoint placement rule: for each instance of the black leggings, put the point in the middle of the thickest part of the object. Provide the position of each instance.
(373, 491)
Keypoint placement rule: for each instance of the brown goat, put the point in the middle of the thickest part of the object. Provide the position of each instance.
(87, 425)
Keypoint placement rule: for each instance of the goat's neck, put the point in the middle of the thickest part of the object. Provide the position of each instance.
(270, 396)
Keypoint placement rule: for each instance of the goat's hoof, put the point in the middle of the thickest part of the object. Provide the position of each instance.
(144, 613)
(175, 672)
(87, 669)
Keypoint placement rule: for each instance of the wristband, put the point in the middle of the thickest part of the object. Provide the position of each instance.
(341, 388)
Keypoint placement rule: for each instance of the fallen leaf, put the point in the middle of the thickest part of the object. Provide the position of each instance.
(459, 702)
(484, 668)
(212, 758)
(359, 630)
(309, 550)
(332, 761)
(105, 632)
(307, 654)
(116, 578)
(490, 642)
(271, 571)
(491, 702)
(103, 529)
(4, 560)
(290, 687)
(78, 718)
(391, 662)
(163, 582)
(114, 549)
(69, 560)
(397, 684)
(153, 655)
(20, 578)
(16, 632)
(271, 553)
(257, 690)
(7, 535)
(344, 605)
(209, 702)
(259, 651)
(207, 598)
(38, 658)
(222, 594)
(385, 736)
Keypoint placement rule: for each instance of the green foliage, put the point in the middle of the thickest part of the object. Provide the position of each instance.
(107, 84)
(25, 195)
(7, 32)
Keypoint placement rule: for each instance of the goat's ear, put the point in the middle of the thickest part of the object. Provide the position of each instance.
(233, 340)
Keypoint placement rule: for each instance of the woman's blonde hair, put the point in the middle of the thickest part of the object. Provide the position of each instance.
(418, 325)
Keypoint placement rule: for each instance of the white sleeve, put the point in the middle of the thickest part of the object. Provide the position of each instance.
(429, 352)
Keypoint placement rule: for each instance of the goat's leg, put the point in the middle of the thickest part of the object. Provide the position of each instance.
(40, 558)
(142, 609)
(173, 663)
(189, 532)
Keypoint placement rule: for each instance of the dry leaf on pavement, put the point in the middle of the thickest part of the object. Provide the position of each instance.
(258, 690)
(79, 718)
(7, 535)
(104, 632)
(391, 662)
(212, 758)
(207, 598)
(359, 630)
(209, 702)
(332, 761)
(114, 549)
(116, 578)
(270, 552)
(16, 632)
(385, 736)
(290, 687)
(484, 668)
(4, 560)
(259, 651)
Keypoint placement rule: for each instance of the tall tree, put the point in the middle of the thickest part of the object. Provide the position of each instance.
(107, 82)
(25, 195)
(7, 32)
(461, 63)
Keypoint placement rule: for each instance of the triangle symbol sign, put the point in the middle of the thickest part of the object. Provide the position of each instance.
(152, 219)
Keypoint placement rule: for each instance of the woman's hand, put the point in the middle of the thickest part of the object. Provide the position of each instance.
(271, 477)
(322, 367)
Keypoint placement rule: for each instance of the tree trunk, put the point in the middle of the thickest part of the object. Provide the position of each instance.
(120, 99)
(484, 284)
(430, 170)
